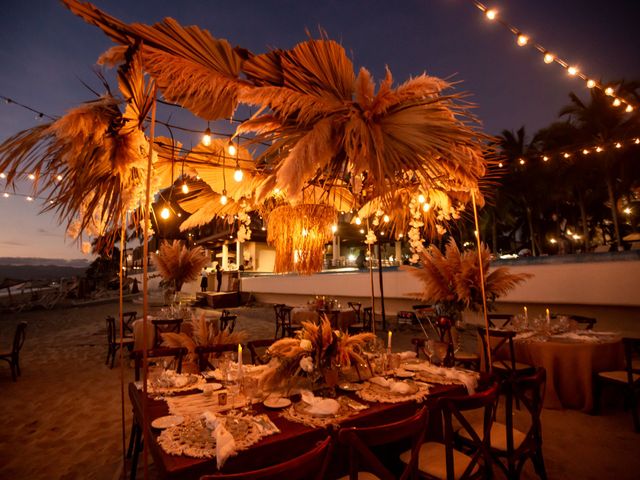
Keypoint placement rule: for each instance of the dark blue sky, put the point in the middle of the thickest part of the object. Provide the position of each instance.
(45, 51)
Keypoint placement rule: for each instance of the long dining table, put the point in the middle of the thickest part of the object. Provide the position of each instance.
(294, 438)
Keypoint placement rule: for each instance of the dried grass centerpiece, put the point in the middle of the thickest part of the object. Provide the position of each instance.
(451, 280)
(178, 264)
(315, 352)
(299, 234)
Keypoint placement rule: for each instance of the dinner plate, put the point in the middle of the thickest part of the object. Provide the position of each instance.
(350, 386)
(278, 402)
(168, 421)
(404, 373)
(210, 387)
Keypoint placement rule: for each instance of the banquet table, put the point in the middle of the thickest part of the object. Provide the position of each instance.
(340, 318)
(571, 365)
(294, 438)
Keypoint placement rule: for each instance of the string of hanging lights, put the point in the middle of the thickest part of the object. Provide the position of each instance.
(548, 57)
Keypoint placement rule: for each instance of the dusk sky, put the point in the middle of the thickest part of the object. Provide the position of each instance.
(46, 52)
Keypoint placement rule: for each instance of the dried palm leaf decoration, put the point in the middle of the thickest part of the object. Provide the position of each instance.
(178, 264)
(299, 234)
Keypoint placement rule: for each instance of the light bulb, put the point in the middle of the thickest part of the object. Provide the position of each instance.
(29, 199)
(591, 83)
(599, 149)
(334, 228)
(522, 161)
(238, 175)
(386, 219)
(572, 71)
(362, 230)
(3, 175)
(206, 138)
(548, 58)
(637, 141)
(618, 145)
(32, 176)
(629, 109)
(522, 40)
(231, 149)
(185, 188)
(165, 213)
(59, 178)
(616, 102)
(5, 195)
(421, 199)
(566, 155)
(358, 221)
(585, 152)
(545, 159)
(223, 198)
(500, 165)
(426, 207)
(608, 91)
(491, 14)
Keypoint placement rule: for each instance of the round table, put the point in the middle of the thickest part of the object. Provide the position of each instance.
(571, 366)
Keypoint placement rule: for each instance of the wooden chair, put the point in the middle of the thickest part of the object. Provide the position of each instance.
(311, 465)
(365, 324)
(503, 355)
(128, 319)
(499, 320)
(356, 307)
(204, 354)
(13, 356)
(406, 317)
(113, 341)
(440, 460)
(628, 379)
(511, 448)
(178, 353)
(227, 321)
(283, 321)
(586, 322)
(360, 442)
(161, 326)
(258, 358)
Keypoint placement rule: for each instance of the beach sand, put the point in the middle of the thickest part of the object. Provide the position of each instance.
(62, 419)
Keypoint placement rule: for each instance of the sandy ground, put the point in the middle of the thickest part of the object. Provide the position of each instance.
(62, 418)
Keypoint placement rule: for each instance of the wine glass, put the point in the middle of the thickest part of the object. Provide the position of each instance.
(429, 349)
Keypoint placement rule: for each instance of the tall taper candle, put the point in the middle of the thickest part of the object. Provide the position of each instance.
(239, 360)
(389, 341)
(526, 314)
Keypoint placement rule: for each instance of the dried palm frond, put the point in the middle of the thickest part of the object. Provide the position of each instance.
(190, 66)
(171, 339)
(452, 279)
(299, 235)
(350, 348)
(179, 264)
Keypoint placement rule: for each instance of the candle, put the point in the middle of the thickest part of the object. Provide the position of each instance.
(389, 341)
(239, 360)
(526, 314)
(548, 316)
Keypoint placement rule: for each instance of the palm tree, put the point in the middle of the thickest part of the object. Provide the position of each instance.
(599, 122)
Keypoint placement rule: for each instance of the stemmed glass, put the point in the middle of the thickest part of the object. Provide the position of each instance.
(429, 349)
(249, 391)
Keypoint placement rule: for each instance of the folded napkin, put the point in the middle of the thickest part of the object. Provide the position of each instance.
(578, 338)
(408, 355)
(392, 385)
(468, 379)
(225, 443)
(319, 406)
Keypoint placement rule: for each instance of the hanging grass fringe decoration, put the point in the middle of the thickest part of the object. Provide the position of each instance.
(299, 235)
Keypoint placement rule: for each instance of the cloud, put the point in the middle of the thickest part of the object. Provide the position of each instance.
(47, 233)
(10, 243)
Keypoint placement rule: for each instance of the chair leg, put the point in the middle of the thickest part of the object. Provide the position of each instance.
(633, 400)
(113, 356)
(106, 362)
(132, 437)
(13, 371)
(538, 464)
(597, 397)
(136, 453)
(16, 361)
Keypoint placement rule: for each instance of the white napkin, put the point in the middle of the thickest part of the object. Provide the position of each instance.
(392, 385)
(319, 406)
(578, 338)
(380, 381)
(210, 420)
(408, 355)
(469, 380)
(225, 445)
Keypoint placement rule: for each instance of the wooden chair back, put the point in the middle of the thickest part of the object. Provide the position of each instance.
(204, 354)
(283, 319)
(161, 326)
(499, 320)
(18, 338)
(459, 408)
(356, 307)
(631, 353)
(367, 318)
(311, 465)
(111, 330)
(129, 318)
(227, 321)
(178, 353)
(501, 341)
(360, 440)
(256, 357)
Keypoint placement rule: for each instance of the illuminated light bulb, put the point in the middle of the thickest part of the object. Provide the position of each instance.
(599, 149)
(585, 152)
(566, 155)
(545, 159)
(29, 199)
(32, 176)
(576, 237)
(618, 145)
(491, 14)
(334, 228)
(522, 161)
(591, 83)
(637, 141)
(3, 175)
(386, 219)
(400, 235)
(475, 233)
(165, 213)
(572, 71)
(553, 240)
(426, 207)
(238, 175)
(362, 230)
(276, 190)
(232, 149)
(522, 40)
(358, 221)
(608, 91)
(5, 195)
(548, 58)
(629, 109)
(59, 178)
(382, 233)
(627, 211)
(185, 188)
(500, 165)
(616, 102)
(206, 137)
(421, 199)
(569, 232)
(223, 198)
(263, 229)
(376, 222)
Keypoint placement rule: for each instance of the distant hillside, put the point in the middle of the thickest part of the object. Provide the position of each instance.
(40, 272)
(35, 261)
